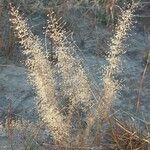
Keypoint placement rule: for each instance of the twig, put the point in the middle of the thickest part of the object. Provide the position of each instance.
(6, 65)
(142, 16)
(141, 83)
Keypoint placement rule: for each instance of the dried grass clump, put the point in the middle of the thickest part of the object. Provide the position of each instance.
(111, 85)
(73, 77)
(75, 82)
(22, 134)
(41, 76)
(123, 136)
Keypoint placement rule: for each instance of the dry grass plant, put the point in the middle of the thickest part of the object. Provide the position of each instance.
(124, 136)
(41, 76)
(111, 85)
(75, 82)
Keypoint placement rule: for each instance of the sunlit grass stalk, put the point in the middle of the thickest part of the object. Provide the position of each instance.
(75, 81)
(111, 85)
(41, 76)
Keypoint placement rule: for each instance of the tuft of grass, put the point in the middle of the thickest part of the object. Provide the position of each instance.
(75, 82)
(111, 85)
(75, 85)
(124, 136)
(41, 77)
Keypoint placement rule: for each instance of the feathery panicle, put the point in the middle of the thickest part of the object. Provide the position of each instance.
(112, 86)
(41, 76)
(75, 81)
